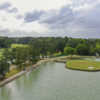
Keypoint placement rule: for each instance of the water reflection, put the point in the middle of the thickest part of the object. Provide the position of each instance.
(93, 59)
(5, 94)
(52, 81)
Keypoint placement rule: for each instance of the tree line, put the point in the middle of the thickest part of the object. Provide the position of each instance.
(27, 51)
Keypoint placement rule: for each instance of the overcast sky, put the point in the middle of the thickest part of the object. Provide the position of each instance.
(73, 18)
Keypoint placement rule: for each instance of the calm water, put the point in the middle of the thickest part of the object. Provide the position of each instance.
(93, 59)
(52, 81)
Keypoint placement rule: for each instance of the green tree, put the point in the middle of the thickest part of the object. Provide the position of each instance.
(4, 63)
(69, 51)
(83, 49)
(20, 55)
(97, 49)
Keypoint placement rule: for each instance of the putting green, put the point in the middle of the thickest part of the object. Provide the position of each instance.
(86, 65)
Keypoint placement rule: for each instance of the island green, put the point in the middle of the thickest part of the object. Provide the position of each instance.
(84, 65)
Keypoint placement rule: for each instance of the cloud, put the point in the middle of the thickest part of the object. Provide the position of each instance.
(33, 16)
(75, 18)
(16, 33)
(19, 16)
(5, 6)
(59, 18)
(12, 10)
(25, 6)
(68, 21)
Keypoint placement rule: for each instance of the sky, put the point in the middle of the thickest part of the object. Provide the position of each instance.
(34, 18)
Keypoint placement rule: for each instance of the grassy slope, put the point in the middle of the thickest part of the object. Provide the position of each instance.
(83, 65)
(11, 73)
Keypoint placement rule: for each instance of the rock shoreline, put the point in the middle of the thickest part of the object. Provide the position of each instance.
(12, 78)
(6, 81)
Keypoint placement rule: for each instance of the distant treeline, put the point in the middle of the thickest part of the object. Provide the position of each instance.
(56, 44)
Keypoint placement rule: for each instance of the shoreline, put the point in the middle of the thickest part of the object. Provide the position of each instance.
(10, 79)
(83, 70)
(56, 59)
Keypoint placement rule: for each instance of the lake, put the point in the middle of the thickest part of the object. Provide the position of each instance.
(53, 81)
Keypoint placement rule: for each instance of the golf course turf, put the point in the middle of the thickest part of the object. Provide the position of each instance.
(83, 65)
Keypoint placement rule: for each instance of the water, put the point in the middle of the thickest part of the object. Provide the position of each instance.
(52, 81)
(93, 59)
(97, 59)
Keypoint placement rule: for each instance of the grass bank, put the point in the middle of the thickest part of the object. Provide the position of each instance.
(14, 73)
(83, 65)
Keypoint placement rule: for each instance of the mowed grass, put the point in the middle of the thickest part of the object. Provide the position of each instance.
(84, 65)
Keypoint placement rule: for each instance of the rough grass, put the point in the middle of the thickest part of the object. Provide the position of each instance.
(19, 46)
(83, 65)
(12, 72)
(1, 53)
